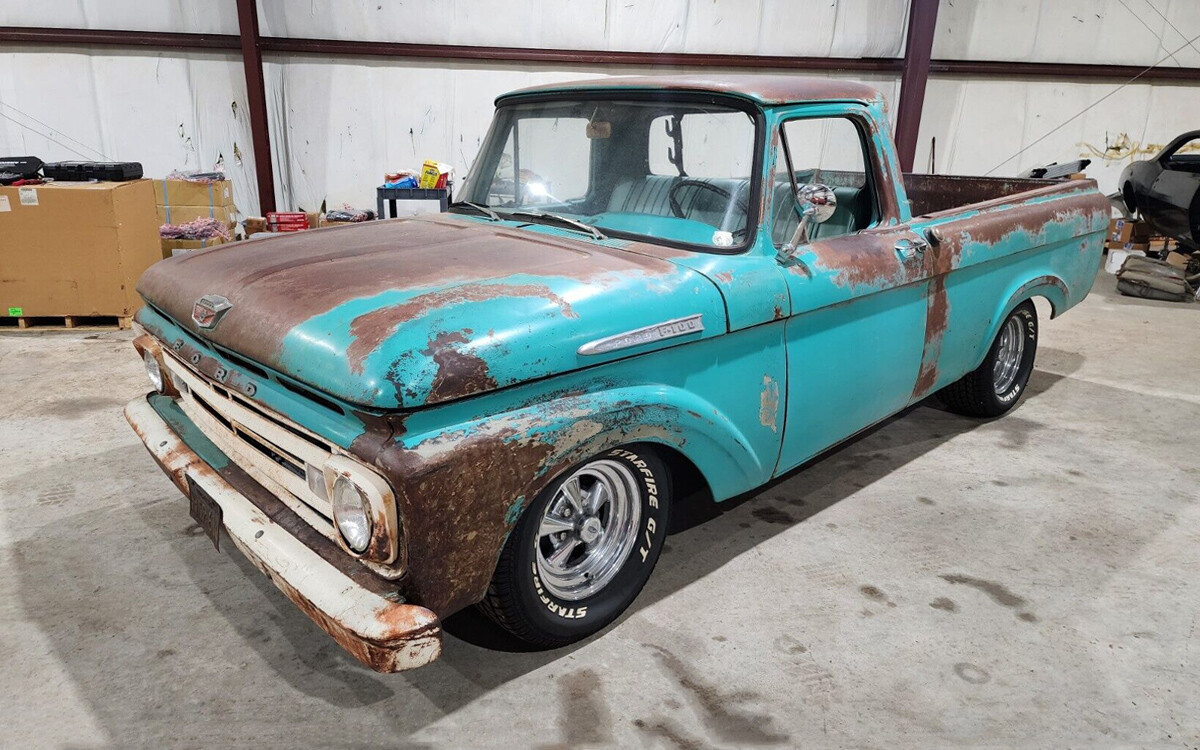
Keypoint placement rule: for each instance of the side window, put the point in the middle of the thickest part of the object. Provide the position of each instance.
(1186, 158)
(829, 151)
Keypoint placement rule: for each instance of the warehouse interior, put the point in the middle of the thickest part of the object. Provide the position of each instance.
(925, 579)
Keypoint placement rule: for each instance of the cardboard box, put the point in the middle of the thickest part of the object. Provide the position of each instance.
(1141, 247)
(76, 249)
(177, 247)
(1121, 231)
(187, 193)
(254, 224)
(181, 201)
(1179, 260)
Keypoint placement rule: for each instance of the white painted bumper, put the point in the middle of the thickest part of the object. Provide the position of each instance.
(384, 635)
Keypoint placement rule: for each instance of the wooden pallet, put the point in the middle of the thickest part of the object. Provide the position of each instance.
(43, 322)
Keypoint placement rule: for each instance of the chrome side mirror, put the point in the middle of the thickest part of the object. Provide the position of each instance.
(815, 203)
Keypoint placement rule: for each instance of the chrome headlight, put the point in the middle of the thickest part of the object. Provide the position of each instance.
(352, 514)
(364, 511)
(153, 371)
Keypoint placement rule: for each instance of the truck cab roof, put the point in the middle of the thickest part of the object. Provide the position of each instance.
(766, 90)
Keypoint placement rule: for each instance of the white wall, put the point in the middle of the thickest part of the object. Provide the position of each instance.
(980, 123)
(164, 110)
(845, 28)
(1114, 32)
(339, 124)
(199, 16)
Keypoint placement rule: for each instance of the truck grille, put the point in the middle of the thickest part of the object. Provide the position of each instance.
(263, 443)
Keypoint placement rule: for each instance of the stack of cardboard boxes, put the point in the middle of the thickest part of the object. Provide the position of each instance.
(181, 201)
(1129, 235)
(1132, 237)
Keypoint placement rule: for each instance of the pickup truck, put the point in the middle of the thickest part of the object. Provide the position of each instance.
(649, 287)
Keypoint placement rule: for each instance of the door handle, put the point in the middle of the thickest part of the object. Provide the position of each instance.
(908, 249)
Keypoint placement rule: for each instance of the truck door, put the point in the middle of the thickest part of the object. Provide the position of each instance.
(855, 336)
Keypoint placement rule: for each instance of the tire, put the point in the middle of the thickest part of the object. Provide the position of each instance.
(987, 391)
(548, 602)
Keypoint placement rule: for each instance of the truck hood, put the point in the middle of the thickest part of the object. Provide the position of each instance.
(404, 313)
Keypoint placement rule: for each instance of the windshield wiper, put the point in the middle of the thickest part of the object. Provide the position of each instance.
(492, 215)
(560, 219)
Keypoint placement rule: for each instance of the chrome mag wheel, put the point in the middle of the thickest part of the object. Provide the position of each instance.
(588, 529)
(1008, 356)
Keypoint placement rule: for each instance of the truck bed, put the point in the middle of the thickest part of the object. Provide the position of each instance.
(934, 193)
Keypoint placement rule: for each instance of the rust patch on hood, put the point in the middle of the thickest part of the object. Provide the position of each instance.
(373, 328)
(458, 373)
(282, 281)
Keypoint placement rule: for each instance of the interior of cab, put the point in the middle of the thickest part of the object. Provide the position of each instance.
(829, 151)
(677, 171)
(666, 170)
(855, 206)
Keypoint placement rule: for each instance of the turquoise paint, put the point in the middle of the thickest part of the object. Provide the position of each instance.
(532, 327)
(188, 432)
(853, 360)
(514, 511)
(340, 429)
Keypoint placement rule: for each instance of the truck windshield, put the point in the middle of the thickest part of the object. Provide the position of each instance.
(674, 171)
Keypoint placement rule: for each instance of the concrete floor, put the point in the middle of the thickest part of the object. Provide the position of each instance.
(1031, 582)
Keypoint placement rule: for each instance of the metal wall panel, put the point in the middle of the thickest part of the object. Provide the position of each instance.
(849, 28)
(197, 16)
(1112, 32)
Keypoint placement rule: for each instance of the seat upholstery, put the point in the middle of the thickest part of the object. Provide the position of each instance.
(651, 195)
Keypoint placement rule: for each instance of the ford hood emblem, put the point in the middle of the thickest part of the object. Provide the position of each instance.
(208, 310)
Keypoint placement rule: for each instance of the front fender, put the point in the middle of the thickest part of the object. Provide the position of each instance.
(461, 489)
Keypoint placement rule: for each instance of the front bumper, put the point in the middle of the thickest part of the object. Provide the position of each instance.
(341, 596)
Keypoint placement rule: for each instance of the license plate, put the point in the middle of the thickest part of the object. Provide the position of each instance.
(205, 512)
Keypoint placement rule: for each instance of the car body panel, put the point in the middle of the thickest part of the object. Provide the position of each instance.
(1165, 190)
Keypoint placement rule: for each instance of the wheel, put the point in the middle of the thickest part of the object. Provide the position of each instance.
(584, 548)
(996, 385)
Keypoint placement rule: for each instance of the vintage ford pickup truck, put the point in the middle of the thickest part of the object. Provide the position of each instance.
(646, 284)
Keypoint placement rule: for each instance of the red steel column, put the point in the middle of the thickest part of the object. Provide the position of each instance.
(918, 48)
(256, 95)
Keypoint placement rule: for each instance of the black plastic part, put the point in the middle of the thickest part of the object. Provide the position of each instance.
(82, 171)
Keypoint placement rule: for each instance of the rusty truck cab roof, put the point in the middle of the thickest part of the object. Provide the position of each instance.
(765, 90)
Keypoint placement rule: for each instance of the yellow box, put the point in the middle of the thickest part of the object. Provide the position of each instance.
(430, 172)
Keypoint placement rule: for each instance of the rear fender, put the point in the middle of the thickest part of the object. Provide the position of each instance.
(1048, 286)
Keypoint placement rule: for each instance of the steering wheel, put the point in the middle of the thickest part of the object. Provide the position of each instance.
(677, 209)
